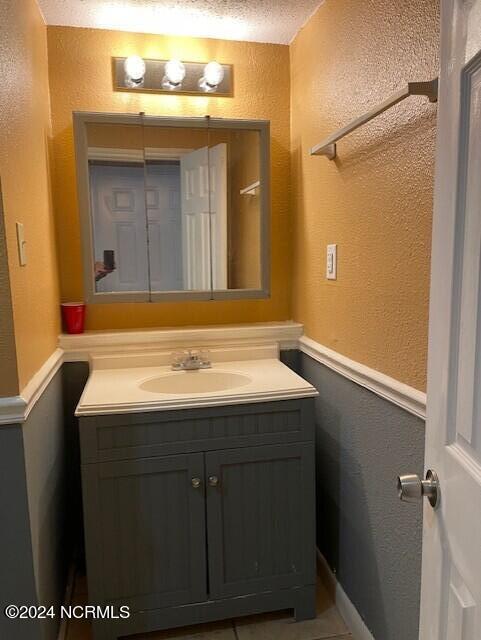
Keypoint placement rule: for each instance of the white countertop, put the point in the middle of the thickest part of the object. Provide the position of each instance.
(114, 387)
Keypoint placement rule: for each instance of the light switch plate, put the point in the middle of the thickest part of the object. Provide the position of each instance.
(331, 266)
(22, 252)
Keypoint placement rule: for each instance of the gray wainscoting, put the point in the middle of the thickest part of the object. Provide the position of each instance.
(17, 578)
(369, 538)
(39, 504)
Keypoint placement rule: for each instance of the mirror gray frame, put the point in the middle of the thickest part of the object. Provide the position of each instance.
(81, 119)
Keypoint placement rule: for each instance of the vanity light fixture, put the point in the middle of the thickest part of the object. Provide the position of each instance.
(134, 67)
(174, 75)
(213, 76)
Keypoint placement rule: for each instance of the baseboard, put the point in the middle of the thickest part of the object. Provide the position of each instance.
(400, 394)
(347, 610)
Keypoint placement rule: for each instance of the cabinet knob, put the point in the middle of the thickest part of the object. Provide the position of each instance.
(213, 481)
(195, 483)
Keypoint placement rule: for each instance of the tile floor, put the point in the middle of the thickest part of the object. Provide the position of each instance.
(271, 626)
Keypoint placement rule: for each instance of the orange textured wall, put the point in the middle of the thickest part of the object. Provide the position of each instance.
(24, 162)
(375, 199)
(8, 354)
(81, 79)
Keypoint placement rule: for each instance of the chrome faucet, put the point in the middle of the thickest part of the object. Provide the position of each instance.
(191, 360)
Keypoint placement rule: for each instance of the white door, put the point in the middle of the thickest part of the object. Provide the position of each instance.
(451, 571)
(204, 218)
(162, 195)
(218, 211)
(119, 222)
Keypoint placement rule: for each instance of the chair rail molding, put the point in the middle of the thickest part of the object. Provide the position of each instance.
(287, 335)
(400, 394)
(82, 347)
(16, 409)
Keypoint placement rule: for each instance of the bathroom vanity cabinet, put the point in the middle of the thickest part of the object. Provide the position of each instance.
(200, 514)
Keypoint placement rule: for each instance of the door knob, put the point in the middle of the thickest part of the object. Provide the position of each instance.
(411, 488)
(213, 481)
(195, 483)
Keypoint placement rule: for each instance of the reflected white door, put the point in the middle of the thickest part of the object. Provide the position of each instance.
(451, 573)
(118, 209)
(218, 210)
(162, 196)
(204, 218)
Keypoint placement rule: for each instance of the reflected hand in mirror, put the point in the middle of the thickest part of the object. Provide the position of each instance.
(101, 270)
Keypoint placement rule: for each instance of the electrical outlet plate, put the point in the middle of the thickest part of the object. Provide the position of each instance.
(331, 265)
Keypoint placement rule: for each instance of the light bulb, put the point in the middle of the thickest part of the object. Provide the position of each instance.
(213, 76)
(134, 68)
(213, 73)
(174, 74)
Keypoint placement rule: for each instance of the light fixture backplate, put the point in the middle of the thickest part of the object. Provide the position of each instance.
(154, 74)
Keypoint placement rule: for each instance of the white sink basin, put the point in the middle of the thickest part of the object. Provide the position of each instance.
(129, 383)
(198, 381)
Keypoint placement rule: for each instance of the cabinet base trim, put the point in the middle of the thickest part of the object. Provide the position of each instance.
(301, 599)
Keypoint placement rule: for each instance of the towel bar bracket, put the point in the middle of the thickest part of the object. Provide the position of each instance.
(330, 151)
(428, 89)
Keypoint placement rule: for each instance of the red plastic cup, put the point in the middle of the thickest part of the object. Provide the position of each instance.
(73, 316)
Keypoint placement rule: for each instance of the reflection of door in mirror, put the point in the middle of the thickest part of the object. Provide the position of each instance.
(204, 218)
(118, 217)
(162, 196)
(117, 207)
(218, 214)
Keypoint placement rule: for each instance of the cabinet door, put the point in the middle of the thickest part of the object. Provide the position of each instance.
(145, 531)
(260, 518)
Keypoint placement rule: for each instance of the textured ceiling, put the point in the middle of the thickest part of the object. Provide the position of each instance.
(256, 20)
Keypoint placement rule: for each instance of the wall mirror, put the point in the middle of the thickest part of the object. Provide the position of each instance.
(173, 208)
